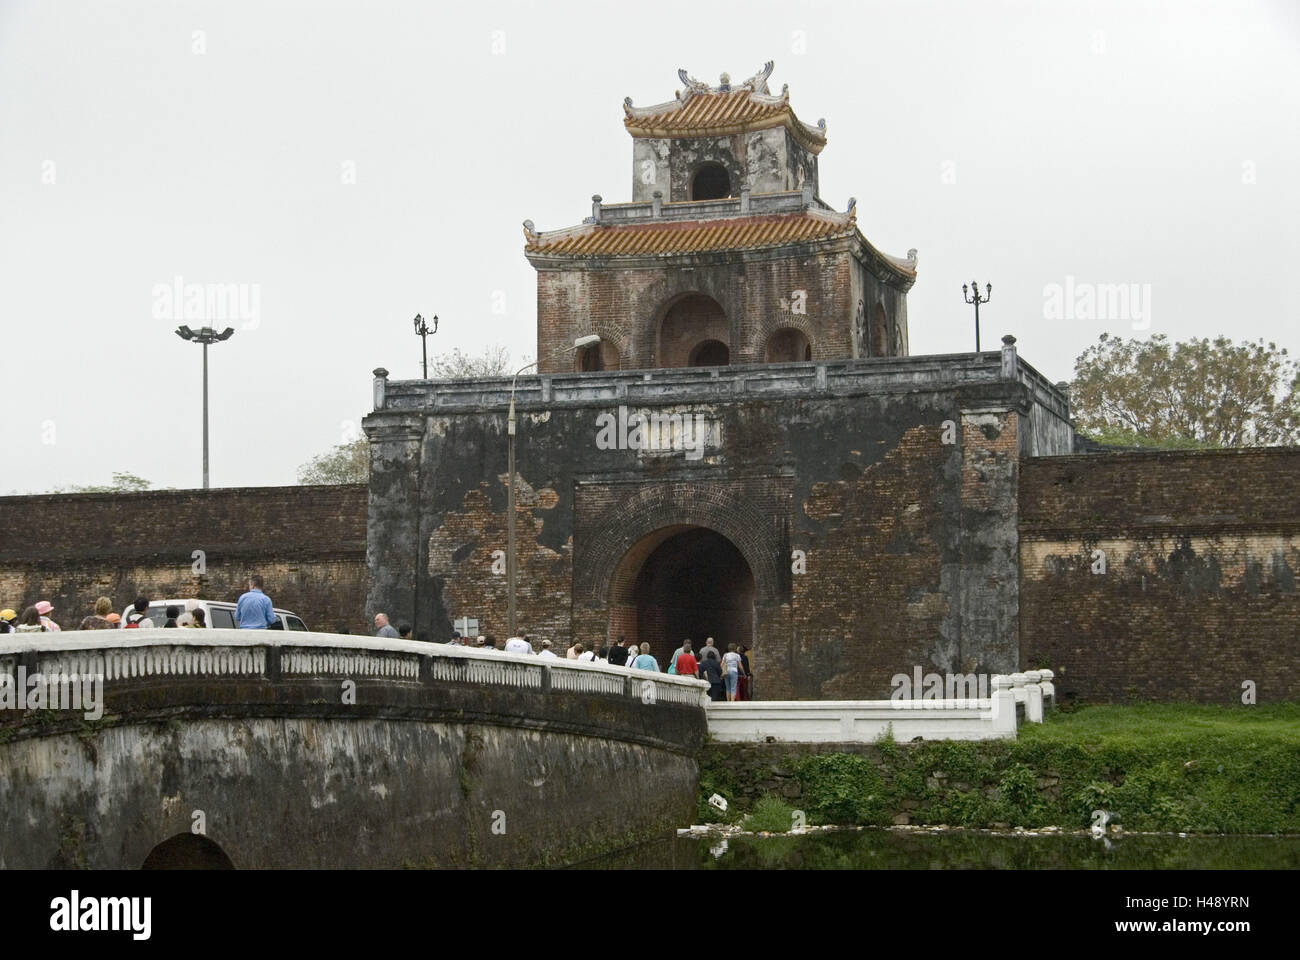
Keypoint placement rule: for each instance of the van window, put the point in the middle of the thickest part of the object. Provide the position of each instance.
(294, 623)
(220, 617)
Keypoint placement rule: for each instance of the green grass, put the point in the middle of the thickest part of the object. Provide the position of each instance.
(1159, 767)
(771, 815)
(1182, 767)
(1149, 723)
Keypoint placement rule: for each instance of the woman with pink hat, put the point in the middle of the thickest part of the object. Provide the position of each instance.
(45, 608)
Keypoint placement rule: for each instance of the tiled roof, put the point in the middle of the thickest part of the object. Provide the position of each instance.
(691, 236)
(701, 110)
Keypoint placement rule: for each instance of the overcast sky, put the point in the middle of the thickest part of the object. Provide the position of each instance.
(353, 163)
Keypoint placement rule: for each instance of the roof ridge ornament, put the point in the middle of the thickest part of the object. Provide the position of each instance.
(693, 86)
(758, 82)
(699, 110)
(755, 84)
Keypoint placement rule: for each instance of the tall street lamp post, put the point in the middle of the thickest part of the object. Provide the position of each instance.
(422, 331)
(205, 336)
(977, 300)
(578, 344)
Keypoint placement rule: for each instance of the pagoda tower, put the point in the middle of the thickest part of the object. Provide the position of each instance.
(726, 253)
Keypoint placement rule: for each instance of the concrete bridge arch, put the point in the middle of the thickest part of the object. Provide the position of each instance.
(321, 751)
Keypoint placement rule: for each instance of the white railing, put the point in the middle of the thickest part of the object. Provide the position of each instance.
(124, 654)
(846, 721)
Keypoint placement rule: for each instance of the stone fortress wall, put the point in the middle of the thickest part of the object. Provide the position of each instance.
(1163, 575)
(308, 543)
(1198, 594)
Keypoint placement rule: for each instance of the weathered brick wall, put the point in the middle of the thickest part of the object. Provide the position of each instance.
(308, 543)
(627, 306)
(901, 503)
(1198, 593)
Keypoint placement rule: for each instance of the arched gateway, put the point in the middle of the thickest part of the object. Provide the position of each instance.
(682, 581)
(187, 851)
(662, 561)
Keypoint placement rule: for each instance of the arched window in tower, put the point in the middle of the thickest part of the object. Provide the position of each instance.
(598, 356)
(711, 182)
(787, 346)
(693, 332)
(880, 332)
(710, 353)
(860, 332)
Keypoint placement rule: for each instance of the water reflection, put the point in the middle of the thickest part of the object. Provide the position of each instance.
(958, 850)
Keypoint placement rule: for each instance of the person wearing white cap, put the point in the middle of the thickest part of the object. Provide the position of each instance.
(546, 650)
(186, 619)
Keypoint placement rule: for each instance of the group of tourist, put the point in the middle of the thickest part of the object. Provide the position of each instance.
(253, 611)
(37, 619)
(33, 619)
(728, 674)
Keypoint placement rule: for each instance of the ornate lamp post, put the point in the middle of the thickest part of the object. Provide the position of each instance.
(578, 344)
(422, 331)
(974, 297)
(205, 336)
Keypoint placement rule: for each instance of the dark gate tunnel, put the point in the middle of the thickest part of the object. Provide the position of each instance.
(695, 584)
(187, 851)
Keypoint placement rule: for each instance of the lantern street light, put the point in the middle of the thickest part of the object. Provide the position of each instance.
(422, 331)
(205, 336)
(580, 343)
(974, 297)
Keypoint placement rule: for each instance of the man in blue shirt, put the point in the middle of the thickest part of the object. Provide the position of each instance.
(254, 608)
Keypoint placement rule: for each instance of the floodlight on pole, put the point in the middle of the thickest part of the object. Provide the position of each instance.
(205, 336)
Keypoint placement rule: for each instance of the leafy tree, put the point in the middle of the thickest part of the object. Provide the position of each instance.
(345, 463)
(121, 483)
(494, 361)
(350, 462)
(1199, 393)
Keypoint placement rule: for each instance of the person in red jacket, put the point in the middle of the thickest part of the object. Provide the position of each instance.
(687, 665)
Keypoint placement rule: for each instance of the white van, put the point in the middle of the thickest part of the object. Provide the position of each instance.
(219, 613)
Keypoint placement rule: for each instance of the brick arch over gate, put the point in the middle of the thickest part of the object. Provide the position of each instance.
(762, 539)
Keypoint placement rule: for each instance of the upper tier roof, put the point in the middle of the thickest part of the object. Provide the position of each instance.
(703, 111)
(660, 238)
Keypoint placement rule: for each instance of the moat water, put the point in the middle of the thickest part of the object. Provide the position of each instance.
(879, 849)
